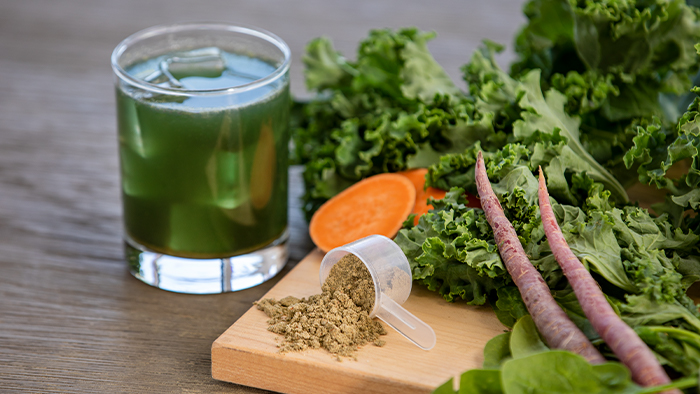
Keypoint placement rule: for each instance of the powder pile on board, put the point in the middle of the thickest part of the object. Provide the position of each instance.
(336, 320)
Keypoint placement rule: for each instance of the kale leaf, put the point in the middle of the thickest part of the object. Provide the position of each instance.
(393, 108)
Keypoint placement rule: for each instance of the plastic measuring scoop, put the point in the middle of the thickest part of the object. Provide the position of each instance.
(392, 278)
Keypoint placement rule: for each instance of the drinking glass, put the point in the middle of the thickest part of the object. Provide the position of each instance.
(203, 130)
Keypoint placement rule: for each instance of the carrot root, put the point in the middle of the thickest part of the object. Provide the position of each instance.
(624, 342)
(551, 321)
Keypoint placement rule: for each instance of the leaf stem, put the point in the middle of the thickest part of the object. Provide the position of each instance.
(683, 383)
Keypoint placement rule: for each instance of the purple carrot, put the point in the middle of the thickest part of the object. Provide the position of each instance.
(551, 321)
(622, 339)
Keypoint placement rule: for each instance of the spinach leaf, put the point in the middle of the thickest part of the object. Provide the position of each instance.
(496, 351)
(552, 372)
(534, 368)
(475, 381)
(445, 388)
(525, 339)
(480, 381)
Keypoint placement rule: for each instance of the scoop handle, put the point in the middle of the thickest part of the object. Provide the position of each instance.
(405, 323)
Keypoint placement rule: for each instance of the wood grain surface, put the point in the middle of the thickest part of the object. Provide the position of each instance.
(71, 317)
(247, 353)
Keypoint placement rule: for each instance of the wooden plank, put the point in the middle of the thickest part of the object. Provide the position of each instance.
(246, 353)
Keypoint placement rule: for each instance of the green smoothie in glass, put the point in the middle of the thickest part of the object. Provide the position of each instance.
(203, 145)
(205, 177)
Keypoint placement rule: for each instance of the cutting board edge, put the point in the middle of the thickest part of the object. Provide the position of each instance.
(313, 380)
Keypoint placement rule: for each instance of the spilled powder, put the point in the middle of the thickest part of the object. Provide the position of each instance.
(336, 320)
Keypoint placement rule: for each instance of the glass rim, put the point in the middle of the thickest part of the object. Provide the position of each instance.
(214, 26)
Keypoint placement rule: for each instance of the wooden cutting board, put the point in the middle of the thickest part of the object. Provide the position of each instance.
(246, 353)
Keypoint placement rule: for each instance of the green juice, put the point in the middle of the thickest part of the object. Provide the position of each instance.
(204, 176)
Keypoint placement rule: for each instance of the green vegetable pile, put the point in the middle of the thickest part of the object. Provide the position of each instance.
(517, 362)
(601, 97)
(392, 109)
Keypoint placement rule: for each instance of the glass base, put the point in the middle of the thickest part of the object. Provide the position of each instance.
(206, 276)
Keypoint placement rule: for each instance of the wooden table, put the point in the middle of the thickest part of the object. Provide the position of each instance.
(72, 319)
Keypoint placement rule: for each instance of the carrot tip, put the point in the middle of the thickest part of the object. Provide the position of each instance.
(542, 180)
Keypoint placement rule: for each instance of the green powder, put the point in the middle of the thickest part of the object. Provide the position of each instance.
(336, 320)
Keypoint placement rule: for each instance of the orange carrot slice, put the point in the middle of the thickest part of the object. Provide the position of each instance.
(417, 177)
(375, 205)
(422, 205)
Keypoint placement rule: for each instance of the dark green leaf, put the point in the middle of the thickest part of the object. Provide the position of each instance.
(496, 351)
(525, 339)
(480, 381)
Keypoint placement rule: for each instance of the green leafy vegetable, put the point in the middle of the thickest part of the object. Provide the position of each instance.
(523, 114)
(656, 158)
(641, 261)
(598, 98)
(393, 108)
(637, 49)
(525, 339)
(618, 63)
(534, 368)
(497, 350)
(546, 115)
(570, 374)
(454, 246)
